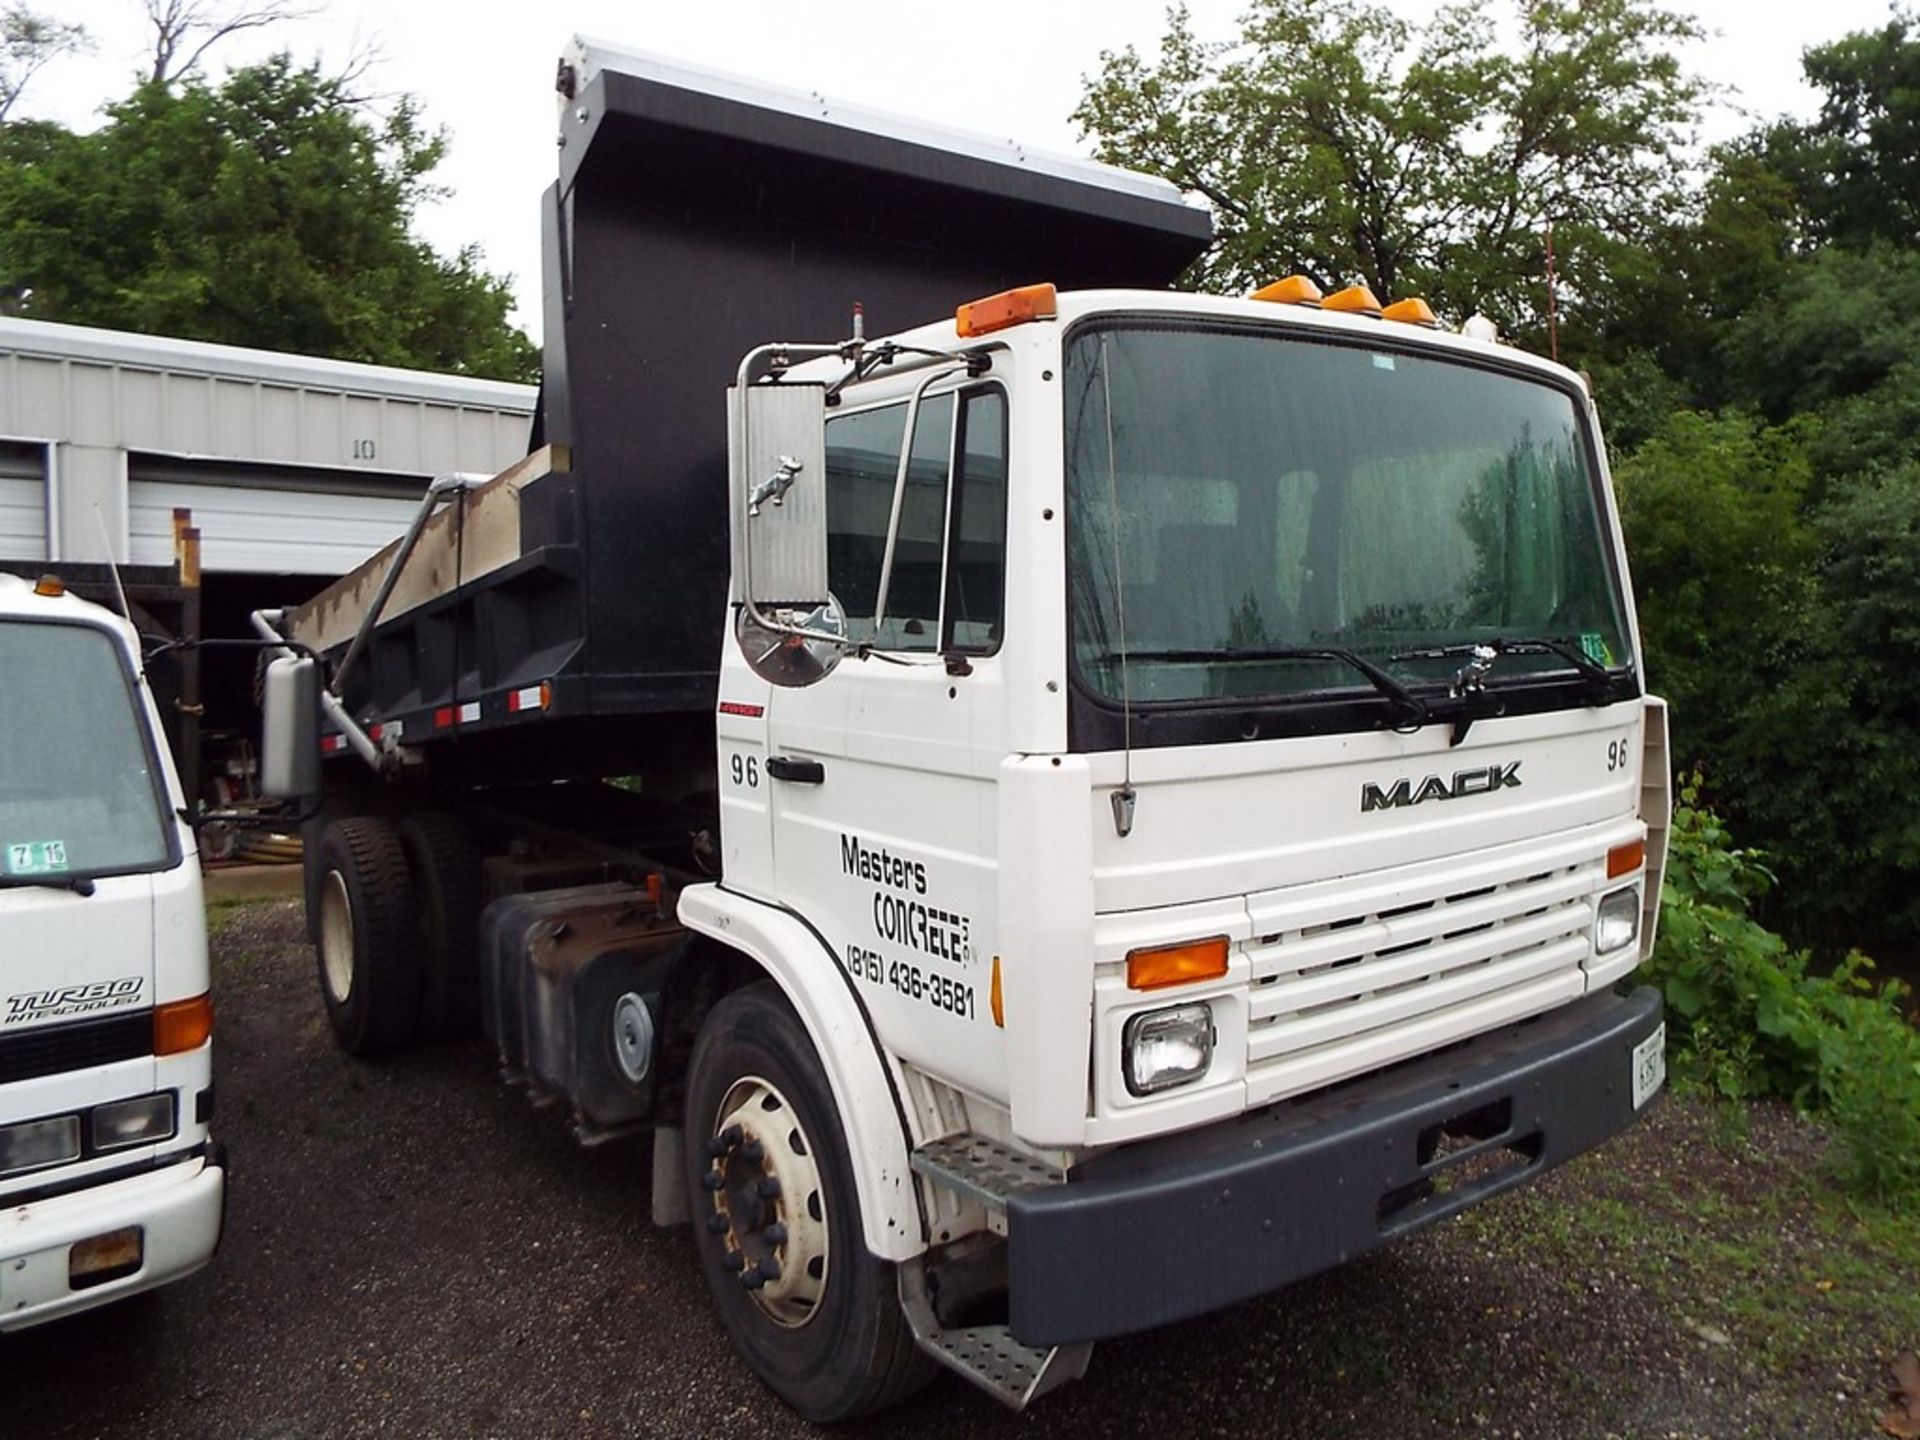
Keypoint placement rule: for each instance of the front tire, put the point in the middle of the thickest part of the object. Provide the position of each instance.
(777, 1219)
(366, 943)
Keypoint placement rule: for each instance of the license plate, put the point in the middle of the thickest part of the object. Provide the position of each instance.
(1649, 1066)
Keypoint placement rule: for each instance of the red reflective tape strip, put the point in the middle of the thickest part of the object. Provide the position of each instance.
(443, 717)
(527, 699)
(737, 707)
(331, 743)
(376, 731)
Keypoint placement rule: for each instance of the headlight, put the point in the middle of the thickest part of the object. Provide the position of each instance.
(133, 1122)
(39, 1142)
(1165, 1048)
(1619, 920)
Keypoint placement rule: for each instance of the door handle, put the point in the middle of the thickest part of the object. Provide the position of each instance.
(799, 772)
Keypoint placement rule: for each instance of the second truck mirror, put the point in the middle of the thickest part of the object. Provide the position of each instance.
(780, 484)
(290, 729)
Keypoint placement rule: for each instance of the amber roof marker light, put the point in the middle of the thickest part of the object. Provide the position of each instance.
(1007, 309)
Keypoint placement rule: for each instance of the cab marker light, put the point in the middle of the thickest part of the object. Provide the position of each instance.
(51, 586)
(1354, 300)
(1163, 965)
(1007, 309)
(182, 1025)
(1294, 290)
(1412, 311)
(994, 997)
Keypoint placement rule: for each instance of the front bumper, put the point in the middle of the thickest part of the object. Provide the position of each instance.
(1176, 1227)
(179, 1207)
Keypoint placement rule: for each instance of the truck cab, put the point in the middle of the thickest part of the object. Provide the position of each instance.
(109, 1181)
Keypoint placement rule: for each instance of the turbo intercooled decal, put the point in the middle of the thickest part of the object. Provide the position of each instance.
(68, 1000)
(1483, 781)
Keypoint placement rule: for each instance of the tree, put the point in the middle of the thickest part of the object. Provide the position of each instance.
(1857, 166)
(27, 42)
(184, 30)
(270, 211)
(1337, 139)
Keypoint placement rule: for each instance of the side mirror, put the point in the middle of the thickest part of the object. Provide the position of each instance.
(290, 729)
(780, 495)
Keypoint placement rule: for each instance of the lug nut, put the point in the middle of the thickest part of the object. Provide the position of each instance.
(774, 1234)
(769, 1268)
(730, 1136)
(769, 1187)
(752, 1279)
(714, 1180)
(716, 1147)
(753, 1152)
(733, 1260)
(716, 1224)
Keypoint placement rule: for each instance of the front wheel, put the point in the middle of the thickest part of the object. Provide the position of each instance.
(775, 1214)
(367, 941)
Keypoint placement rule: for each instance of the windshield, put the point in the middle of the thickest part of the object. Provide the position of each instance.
(79, 791)
(1233, 494)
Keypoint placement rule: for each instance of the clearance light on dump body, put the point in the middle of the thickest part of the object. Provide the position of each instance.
(1625, 859)
(1354, 300)
(1294, 290)
(1008, 308)
(182, 1026)
(50, 585)
(1166, 965)
(1411, 311)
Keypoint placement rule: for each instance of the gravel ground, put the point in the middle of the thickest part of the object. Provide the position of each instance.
(413, 1250)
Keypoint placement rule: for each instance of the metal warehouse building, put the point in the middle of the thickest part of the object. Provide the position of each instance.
(292, 469)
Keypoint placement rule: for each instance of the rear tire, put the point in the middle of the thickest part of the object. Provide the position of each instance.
(445, 865)
(822, 1324)
(366, 941)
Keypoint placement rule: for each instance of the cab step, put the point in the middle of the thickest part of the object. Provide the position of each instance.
(987, 1355)
(982, 1169)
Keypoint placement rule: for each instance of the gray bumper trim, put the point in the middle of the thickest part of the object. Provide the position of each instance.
(1171, 1228)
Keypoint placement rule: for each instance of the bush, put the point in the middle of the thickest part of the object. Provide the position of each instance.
(1748, 1017)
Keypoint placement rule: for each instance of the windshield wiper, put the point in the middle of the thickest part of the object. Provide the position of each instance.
(1598, 686)
(1410, 706)
(79, 884)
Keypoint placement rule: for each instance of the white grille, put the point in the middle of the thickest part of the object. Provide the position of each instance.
(1332, 995)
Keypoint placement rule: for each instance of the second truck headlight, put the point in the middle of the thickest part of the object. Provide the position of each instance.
(1164, 1048)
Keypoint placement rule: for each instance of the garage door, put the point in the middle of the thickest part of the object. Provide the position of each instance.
(266, 521)
(23, 501)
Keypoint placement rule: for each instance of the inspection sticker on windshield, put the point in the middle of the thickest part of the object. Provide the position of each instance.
(1649, 1065)
(37, 857)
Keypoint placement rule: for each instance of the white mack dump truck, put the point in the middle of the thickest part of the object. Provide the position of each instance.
(109, 1183)
(1074, 814)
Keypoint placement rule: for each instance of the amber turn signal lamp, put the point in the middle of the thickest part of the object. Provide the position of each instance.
(182, 1026)
(1354, 300)
(1008, 308)
(993, 997)
(1182, 964)
(1625, 859)
(1294, 290)
(1411, 311)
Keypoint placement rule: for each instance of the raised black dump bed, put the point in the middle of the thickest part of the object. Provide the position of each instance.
(695, 217)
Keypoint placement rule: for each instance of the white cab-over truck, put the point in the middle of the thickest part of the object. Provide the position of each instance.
(1059, 819)
(109, 1182)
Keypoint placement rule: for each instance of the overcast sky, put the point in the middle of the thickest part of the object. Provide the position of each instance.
(1006, 68)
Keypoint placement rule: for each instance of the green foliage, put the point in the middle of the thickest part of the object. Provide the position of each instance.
(1338, 139)
(271, 210)
(1857, 166)
(1749, 1016)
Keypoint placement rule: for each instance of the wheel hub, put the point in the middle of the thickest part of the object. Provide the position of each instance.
(336, 937)
(769, 1207)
